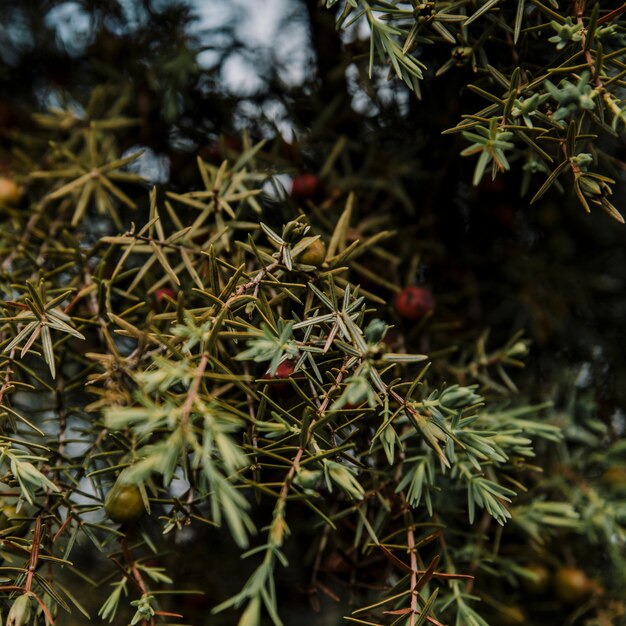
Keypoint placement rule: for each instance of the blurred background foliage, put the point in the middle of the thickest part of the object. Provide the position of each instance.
(191, 72)
(210, 79)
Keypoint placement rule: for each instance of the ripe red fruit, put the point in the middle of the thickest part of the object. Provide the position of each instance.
(304, 186)
(285, 369)
(162, 294)
(224, 148)
(412, 303)
(7, 116)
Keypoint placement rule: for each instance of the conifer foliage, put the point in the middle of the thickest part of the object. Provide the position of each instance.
(345, 374)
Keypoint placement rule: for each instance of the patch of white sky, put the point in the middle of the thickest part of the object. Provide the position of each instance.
(271, 29)
(73, 26)
(262, 26)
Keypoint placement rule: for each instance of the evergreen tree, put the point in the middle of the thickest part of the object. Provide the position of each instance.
(345, 346)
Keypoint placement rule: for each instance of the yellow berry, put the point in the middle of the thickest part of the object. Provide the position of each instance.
(615, 477)
(124, 503)
(314, 254)
(10, 193)
(572, 585)
(10, 521)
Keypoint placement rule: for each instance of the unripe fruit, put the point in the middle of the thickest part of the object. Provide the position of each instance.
(314, 254)
(9, 521)
(304, 186)
(412, 303)
(572, 585)
(124, 503)
(10, 193)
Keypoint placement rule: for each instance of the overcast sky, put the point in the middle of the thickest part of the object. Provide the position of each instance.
(259, 24)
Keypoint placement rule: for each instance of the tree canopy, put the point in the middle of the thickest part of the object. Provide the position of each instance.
(323, 322)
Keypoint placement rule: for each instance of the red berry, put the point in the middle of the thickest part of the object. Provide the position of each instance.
(304, 186)
(7, 116)
(412, 303)
(285, 369)
(161, 295)
(223, 148)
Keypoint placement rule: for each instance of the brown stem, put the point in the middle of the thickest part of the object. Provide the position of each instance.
(6, 383)
(135, 575)
(413, 556)
(613, 14)
(295, 464)
(580, 9)
(34, 555)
